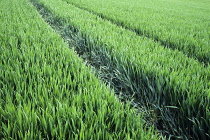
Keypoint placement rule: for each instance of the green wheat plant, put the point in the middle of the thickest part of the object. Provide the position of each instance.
(163, 77)
(47, 92)
(182, 25)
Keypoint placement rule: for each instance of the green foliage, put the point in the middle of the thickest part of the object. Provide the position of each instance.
(182, 25)
(162, 77)
(46, 92)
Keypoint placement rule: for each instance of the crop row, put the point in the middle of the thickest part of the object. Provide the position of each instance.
(167, 77)
(46, 92)
(175, 24)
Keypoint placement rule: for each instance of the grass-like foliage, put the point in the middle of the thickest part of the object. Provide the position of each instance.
(47, 92)
(160, 77)
(182, 25)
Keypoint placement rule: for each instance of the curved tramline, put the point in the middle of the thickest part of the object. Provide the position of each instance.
(182, 25)
(47, 92)
(161, 76)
